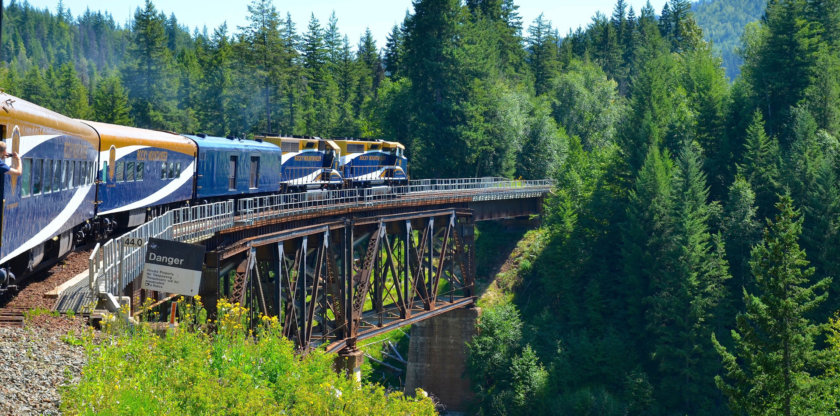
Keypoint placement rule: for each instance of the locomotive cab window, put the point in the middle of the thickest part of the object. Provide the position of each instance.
(255, 172)
(232, 173)
(26, 178)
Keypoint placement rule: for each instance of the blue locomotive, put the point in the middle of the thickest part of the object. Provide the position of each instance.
(82, 180)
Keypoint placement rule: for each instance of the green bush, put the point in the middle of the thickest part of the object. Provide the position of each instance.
(230, 371)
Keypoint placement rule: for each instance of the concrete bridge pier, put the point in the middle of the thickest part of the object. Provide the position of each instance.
(349, 362)
(437, 356)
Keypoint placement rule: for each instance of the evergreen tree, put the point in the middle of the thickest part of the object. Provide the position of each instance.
(72, 96)
(110, 102)
(646, 238)
(760, 166)
(392, 56)
(774, 363)
(543, 50)
(741, 230)
(149, 74)
(264, 55)
(686, 290)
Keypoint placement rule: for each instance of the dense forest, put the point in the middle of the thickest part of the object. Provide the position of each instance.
(685, 261)
(723, 23)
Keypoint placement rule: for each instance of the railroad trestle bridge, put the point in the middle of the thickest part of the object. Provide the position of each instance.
(337, 266)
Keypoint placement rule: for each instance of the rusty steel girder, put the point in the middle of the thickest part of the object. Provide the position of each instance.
(340, 282)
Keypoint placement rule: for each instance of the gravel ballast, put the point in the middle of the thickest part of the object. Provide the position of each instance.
(35, 362)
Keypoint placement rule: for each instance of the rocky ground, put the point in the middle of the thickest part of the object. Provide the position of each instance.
(35, 361)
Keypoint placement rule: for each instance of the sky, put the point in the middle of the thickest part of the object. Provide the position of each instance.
(354, 16)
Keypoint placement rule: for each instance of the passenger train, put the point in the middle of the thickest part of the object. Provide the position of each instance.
(82, 180)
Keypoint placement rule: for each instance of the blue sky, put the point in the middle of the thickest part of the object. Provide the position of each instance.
(353, 15)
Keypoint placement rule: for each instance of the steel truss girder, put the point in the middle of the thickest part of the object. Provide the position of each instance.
(337, 282)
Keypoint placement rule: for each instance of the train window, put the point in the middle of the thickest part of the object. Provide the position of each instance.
(48, 167)
(76, 174)
(37, 176)
(310, 145)
(139, 175)
(91, 173)
(69, 166)
(255, 171)
(163, 170)
(232, 173)
(57, 176)
(26, 177)
(355, 148)
(129, 172)
(120, 173)
(374, 147)
(172, 168)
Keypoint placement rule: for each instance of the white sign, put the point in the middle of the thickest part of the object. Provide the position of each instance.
(133, 242)
(173, 267)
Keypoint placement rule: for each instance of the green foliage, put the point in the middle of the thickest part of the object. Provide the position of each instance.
(110, 102)
(227, 372)
(774, 365)
(506, 375)
(760, 165)
(586, 103)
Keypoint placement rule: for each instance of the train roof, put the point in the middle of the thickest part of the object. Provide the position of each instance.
(368, 144)
(222, 143)
(301, 141)
(16, 109)
(121, 136)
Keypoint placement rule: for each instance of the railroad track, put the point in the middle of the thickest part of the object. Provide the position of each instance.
(12, 316)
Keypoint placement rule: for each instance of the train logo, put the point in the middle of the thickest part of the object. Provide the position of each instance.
(112, 159)
(15, 149)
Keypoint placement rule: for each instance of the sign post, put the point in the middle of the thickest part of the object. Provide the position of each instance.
(173, 267)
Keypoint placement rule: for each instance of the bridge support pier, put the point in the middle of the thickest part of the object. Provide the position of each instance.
(437, 356)
(349, 362)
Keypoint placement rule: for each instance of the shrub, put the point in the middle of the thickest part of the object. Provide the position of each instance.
(195, 371)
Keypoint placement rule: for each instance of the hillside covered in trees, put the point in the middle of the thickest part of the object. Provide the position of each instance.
(723, 23)
(688, 261)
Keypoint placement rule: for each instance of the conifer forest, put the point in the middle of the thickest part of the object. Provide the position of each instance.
(688, 261)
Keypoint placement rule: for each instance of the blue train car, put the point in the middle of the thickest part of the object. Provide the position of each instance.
(231, 167)
(369, 163)
(308, 162)
(141, 168)
(54, 196)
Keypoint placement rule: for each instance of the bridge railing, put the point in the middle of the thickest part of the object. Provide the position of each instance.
(112, 266)
(262, 208)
